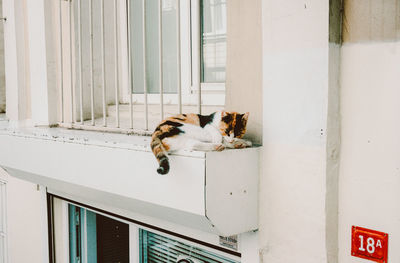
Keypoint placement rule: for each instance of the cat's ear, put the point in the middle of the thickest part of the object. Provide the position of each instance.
(224, 113)
(246, 116)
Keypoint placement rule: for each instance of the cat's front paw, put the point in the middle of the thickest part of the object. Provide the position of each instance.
(242, 144)
(219, 147)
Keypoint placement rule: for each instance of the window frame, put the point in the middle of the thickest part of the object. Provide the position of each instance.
(134, 241)
(190, 52)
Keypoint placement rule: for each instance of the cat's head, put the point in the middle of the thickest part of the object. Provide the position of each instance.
(233, 124)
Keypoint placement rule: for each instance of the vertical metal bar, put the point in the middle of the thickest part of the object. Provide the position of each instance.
(196, 49)
(61, 65)
(146, 115)
(91, 61)
(80, 61)
(116, 65)
(160, 58)
(103, 65)
(199, 58)
(130, 73)
(178, 53)
(70, 61)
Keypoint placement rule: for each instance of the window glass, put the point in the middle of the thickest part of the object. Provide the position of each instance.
(169, 51)
(213, 44)
(213, 41)
(96, 238)
(156, 248)
(112, 240)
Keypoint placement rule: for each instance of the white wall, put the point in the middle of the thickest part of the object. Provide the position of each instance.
(370, 153)
(26, 221)
(370, 161)
(244, 63)
(294, 184)
(2, 70)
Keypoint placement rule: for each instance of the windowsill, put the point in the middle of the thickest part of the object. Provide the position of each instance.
(119, 172)
(104, 139)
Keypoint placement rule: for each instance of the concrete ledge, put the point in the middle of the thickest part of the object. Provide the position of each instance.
(215, 192)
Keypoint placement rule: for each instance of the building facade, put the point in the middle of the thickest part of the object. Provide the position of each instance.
(87, 81)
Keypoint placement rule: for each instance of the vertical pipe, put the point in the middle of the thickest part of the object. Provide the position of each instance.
(70, 61)
(160, 58)
(116, 65)
(146, 115)
(130, 74)
(91, 61)
(103, 65)
(80, 61)
(178, 53)
(61, 66)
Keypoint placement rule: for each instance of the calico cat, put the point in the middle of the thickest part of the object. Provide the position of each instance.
(213, 132)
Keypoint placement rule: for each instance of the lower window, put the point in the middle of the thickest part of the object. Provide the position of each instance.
(158, 248)
(84, 236)
(96, 238)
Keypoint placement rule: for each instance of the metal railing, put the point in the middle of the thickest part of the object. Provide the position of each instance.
(85, 91)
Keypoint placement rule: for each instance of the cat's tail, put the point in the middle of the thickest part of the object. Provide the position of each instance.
(160, 153)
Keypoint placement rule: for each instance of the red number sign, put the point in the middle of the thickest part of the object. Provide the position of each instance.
(369, 244)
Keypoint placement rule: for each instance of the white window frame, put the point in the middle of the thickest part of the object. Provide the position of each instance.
(134, 242)
(212, 93)
(3, 214)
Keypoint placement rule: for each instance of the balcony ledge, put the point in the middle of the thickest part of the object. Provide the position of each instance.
(216, 192)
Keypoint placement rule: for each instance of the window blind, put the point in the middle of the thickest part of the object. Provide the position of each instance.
(159, 249)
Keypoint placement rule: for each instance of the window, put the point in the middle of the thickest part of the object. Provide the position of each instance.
(158, 249)
(204, 64)
(125, 65)
(96, 237)
(3, 232)
(213, 41)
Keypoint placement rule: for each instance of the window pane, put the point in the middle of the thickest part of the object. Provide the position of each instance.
(156, 248)
(152, 46)
(97, 238)
(75, 237)
(112, 240)
(213, 40)
(91, 236)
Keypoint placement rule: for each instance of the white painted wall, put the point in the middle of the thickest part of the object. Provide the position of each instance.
(370, 155)
(293, 183)
(26, 221)
(244, 63)
(2, 69)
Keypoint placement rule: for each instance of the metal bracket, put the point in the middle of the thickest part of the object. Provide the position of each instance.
(3, 18)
